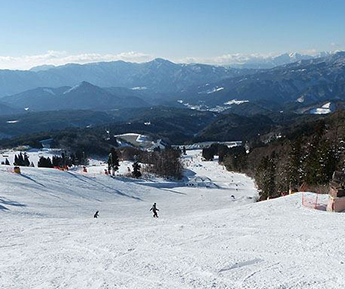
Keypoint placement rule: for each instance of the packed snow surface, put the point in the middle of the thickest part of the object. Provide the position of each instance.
(49, 91)
(139, 88)
(204, 237)
(234, 101)
(213, 90)
(72, 88)
(325, 109)
(300, 99)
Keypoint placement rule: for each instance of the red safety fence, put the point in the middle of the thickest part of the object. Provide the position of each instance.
(315, 201)
(10, 170)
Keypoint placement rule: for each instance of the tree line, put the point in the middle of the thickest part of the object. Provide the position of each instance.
(306, 157)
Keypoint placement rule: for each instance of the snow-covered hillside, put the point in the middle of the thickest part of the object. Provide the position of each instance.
(327, 108)
(205, 237)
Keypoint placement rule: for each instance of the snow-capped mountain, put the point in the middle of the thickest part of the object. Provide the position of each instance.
(304, 82)
(307, 80)
(266, 62)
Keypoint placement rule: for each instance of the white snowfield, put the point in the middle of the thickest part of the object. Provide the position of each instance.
(203, 238)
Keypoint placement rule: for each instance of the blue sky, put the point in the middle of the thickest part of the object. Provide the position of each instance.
(32, 31)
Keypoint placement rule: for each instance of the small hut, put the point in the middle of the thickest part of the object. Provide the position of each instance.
(201, 182)
(336, 202)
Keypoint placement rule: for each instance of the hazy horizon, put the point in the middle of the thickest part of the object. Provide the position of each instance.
(221, 32)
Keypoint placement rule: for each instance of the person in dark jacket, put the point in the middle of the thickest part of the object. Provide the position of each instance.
(154, 210)
(96, 214)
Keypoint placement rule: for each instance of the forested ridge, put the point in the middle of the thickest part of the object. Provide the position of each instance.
(301, 154)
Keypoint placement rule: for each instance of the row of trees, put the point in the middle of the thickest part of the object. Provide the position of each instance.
(6, 162)
(304, 160)
(235, 158)
(19, 160)
(220, 150)
(22, 160)
(78, 158)
(165, 163)
(308, 159)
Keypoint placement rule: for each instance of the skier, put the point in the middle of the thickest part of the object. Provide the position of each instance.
(154, 210)
(96, 215)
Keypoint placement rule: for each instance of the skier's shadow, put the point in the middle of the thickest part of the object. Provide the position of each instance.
(116, 191)
(103, 185)
(31, 179)
(164, 186)
(10, 203)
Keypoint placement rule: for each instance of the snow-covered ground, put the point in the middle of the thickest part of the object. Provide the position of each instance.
(324, 109)
(204, 237)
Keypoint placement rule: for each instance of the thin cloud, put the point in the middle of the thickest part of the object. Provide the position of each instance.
(241, 58)
(227, 59)
(62, 57)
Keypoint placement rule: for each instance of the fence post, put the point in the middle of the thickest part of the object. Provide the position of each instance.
(302, 198)
(317, 198)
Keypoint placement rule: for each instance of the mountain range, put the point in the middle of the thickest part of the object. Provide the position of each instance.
(266, 62)
(301, 83)
(159, 76)
(302, 86)
(82, 96)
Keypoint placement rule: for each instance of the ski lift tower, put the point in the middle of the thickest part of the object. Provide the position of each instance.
(336, 202)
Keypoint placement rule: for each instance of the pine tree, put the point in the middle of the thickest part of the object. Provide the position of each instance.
(208, 154)
(236, 159)
(80, 158)
(21, 159)
(294, 167)
(26, 161)
(265, 177)
(136, 170)
(113, 161)
(222, 151)
(311, 165)
(45, 163)
(327, 161)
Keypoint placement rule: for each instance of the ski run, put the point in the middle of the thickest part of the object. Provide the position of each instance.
(211, 232)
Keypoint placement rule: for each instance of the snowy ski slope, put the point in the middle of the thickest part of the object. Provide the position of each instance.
(204, 238)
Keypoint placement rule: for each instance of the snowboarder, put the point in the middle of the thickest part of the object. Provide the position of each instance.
(96, 215)
(154, 210)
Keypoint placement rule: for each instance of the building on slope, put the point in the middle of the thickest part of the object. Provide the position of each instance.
(141, 141)
(201, 182)
(336, 202)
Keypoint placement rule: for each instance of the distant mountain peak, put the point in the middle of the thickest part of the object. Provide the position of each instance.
(161, 61)
(84, 85)
(42, 68)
